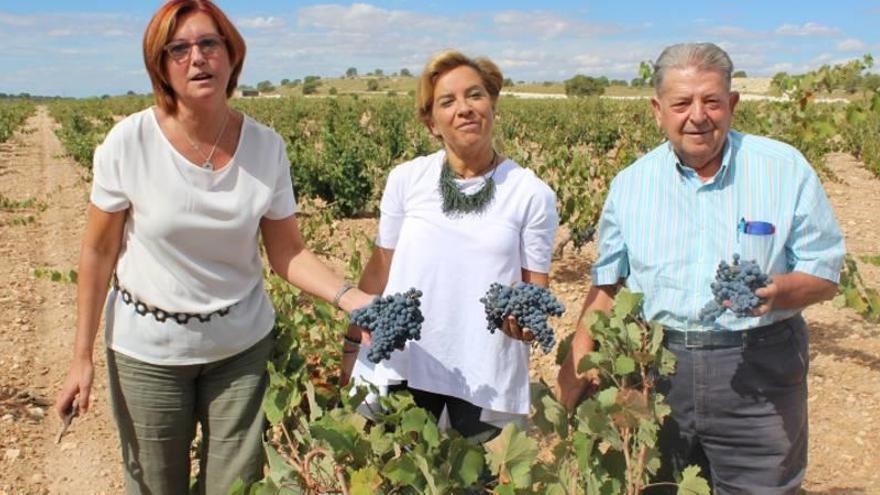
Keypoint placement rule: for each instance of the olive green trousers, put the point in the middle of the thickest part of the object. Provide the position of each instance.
(157, 408)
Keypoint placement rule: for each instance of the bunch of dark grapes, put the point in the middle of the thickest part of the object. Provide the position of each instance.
(530, 304)
(737, 283)
(391, 320)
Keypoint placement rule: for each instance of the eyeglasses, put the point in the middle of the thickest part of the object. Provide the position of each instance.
(209, 45)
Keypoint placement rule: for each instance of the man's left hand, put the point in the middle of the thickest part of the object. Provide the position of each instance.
(769, 295)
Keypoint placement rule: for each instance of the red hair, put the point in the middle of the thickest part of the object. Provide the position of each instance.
(159, 32)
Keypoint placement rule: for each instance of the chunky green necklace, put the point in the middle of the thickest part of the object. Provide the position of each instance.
(455, 202)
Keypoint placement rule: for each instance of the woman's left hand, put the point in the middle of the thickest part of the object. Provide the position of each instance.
(511, 328)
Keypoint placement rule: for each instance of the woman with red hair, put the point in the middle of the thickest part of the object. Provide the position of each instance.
(182, 192)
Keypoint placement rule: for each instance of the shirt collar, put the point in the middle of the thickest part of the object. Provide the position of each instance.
(689, 173)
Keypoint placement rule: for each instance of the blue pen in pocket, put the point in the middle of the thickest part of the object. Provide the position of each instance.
(755, 227)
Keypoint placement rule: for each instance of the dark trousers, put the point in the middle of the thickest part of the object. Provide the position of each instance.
(740, 413)
(464, 417)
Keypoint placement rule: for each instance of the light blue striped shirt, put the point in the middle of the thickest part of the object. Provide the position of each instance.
(664, 230)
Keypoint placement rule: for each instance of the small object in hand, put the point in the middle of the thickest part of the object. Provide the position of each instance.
(67, 420)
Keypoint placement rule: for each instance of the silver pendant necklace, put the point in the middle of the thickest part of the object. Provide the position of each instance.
(207, 164)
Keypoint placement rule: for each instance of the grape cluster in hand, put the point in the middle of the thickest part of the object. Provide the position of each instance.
(530, 304)
(736, 283)
(391, 321)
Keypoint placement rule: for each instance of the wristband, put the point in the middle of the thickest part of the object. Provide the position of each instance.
(347, 286)
(350, 341)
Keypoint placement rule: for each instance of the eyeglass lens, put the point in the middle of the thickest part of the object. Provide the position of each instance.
(207, 46)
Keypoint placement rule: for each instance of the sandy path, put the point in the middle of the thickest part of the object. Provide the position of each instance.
(37, 324)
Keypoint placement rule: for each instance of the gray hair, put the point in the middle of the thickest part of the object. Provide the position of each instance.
(702, 56)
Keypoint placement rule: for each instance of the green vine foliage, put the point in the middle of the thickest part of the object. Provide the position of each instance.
(320, 443)
(13, 113)
(855, 294)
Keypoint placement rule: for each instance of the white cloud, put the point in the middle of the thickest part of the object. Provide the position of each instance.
(365, 18)
(851, 45)
(261, 22)
(546, 25)
(808, 29)
(17, 20)
(733, 32)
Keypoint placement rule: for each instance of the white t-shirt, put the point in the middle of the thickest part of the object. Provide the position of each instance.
(190, 242)
(453, 261)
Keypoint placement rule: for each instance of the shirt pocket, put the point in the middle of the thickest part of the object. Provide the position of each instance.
(759, 248)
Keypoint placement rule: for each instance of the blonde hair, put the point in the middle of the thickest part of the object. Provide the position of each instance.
(159, 32)
(446, 61)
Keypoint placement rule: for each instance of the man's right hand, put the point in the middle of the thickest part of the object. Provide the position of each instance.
(573, 386)
(77, 386)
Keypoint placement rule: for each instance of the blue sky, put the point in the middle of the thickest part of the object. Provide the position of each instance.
(92, 47)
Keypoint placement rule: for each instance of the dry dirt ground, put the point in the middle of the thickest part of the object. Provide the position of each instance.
(37, 322)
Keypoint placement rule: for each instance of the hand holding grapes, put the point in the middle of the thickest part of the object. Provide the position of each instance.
(512, 329)
(768, 295)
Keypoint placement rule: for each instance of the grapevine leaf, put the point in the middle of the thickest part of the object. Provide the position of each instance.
(854, 300)
(414, 420)
(661, 408)
(653, 462)
(625, 303)
(634, 335)
(315, 410)
(504, 489)
(550, 415)
(583, 449)
(380, 442)
(656, 336)
(422, 464)
(275, 402)
(591, 361)
(591, 419)
(563, 348)
(691, 483)
(607, 398)
(279, 470)
(340, 436)
(238, 488)
(365, 481)
(401, 470)
(667, 362)
(555, 489)
(510, 456)
(466, 460)
(624, 365)
(873, 303)
(647, 433)
(323, 310)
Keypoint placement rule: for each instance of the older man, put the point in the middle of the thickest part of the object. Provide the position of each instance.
(739, 394)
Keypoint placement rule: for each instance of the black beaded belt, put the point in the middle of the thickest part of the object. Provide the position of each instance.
(773, 333)
(160, 314)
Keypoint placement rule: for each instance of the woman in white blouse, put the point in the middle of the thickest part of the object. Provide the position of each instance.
(451, 224)
(181, 194)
